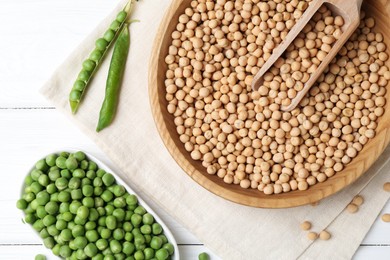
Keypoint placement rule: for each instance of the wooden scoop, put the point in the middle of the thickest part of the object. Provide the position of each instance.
(349, 10)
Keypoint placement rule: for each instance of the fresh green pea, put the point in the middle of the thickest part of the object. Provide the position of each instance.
(92, 235)
(119, 214)
(76, 194)
(89, 65)
(65, 251)
(203, 256)
(156, 229)
(139, 239)
(101, 244)
(87, 190)
(164, 238)
(74, 206)
(28, 180)
(132, 200)
(38, 225)
(49, 220)
(61, 183)
(140, 210)
(29, 196)
(100, 173)
(96, 56)
(49, 242)
(169, 247)
(66, 174)
(78, 86)
(105, 233)
(79, 221)
(92, 166)
(121, 17)
(52, 230)
(41, 165)
(107, 196)
(136, 219)
(97, 191)
(74, 183)
(129, 236)
(156, 243)
(108, 179)
(97, 182)
(43, 180)
(146, 229)
(51, 159)
(98, 257)
(80, 242)
(149, 253)
(127, 226)
(115, 246)
(90, 225)
(139, 255)
(54, 197)
(66, 235)
(84, 75)
(21, 204)
(40, 257)
(64, 207)
(99, 202)
(29, 218)
(128, 248)
(71, 163)
(56, 250)
(51, 207)
(64, 154)
(84, 164)
(118, 234)
(93, 214)
(35, 174)
(36, 187)
(54, 175)
(91, 174)
(42, 197)
(43, 233)
(115, 25)
(109, 35)
(162, 254)
(80, 254)
(120, 202)
(64, 196)
(90, 250)
(147, 219)
(67, 216)
(61, 162)
(61, 224)
(111, 222)
(101, 44)
(79, 173)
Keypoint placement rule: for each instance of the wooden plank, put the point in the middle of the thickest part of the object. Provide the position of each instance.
(34, 48)
(21, 252)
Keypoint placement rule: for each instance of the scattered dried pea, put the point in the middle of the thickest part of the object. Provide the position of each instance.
(305, 225)
(312, 236)
(386, 217)
(352, 208)
(386, 186)
(358, 200)
(324, 235)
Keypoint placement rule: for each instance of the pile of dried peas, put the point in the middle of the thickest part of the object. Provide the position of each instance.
(242, 136)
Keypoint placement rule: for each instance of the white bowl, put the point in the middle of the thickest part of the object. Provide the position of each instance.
(101, 165)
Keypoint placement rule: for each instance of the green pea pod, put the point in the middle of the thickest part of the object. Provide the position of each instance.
(91, 65)
(114, 79)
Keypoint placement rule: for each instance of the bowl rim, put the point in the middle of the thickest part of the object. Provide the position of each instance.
(166, 231)
(317, 192)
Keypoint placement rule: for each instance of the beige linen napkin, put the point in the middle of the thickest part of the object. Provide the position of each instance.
(232, 231)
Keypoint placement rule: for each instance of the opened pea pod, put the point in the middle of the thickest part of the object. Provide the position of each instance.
(91, 64)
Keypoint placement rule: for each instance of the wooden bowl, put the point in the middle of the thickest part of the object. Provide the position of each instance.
(380, 9)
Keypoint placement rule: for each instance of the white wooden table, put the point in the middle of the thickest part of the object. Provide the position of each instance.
(36, 36)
